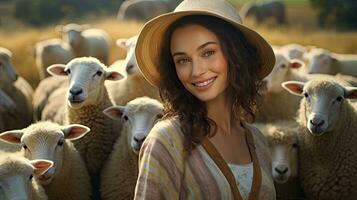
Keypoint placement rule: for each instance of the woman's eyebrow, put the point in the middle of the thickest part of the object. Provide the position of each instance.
(198, 48)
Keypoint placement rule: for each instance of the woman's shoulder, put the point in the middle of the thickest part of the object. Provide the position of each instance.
(167, 132)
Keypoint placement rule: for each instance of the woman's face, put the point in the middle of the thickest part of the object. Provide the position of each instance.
(199, 61)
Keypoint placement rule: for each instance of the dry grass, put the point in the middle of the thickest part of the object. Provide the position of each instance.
(301, 29)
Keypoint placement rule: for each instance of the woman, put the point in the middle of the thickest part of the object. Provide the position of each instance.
(208, 68)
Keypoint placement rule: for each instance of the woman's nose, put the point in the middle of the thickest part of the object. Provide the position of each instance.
(198, 68)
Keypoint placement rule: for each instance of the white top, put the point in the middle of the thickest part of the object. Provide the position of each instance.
(244, 176)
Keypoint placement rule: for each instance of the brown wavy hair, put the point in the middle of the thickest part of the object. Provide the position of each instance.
(244, 66)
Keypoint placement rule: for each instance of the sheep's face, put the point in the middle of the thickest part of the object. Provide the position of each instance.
(130, 63)
(279, 73)
(323, 103)
(16, 176)
(7, 71)
(86, 76)
(139, 116)
(46, 140)
(319, 61)
(284, 158)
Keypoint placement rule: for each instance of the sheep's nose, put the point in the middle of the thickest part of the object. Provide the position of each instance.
(139, 140)
(281, 169)
(76, 91)
(317, 122)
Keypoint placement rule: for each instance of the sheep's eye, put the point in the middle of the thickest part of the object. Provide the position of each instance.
(31, 176)
(159, 116)
(99, 73)
(24, 146)
(282, 66)
(126, 118)
(295, 145)
(339, 98)
(68, 71)
(60, 142)
(306, 95)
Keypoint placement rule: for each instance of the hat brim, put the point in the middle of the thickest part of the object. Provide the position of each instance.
(151, 37)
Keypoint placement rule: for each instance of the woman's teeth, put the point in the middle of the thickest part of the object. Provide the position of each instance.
(202, 84)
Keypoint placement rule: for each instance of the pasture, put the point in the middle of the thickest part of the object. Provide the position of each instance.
(301, 29)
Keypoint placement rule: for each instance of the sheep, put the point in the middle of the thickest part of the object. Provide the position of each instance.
(51, 141)
(135, 85)
(274, 96)
(55, 109)
(264, 10)
(43, 91)
(326, 62)
(144, 10)
(7, 71)
(50, 52)
(87, 97)
(327, 143)
(293, 51)
(16, 177)
(121, 170)
(18, 90)
(283, 143)
(86, 42)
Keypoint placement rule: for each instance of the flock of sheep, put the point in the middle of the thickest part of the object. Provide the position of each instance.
(77, 136)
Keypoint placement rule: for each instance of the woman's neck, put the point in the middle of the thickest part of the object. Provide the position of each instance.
(220, 111)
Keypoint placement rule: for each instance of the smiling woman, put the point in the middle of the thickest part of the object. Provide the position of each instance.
(208, 68)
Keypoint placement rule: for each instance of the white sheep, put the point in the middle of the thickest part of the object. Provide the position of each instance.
(283, 142)
(55, 108)
(87, 97)
(120, 172)
(293, 51)
(43, 91)
(18, 90)
(144, 10)
(326, 62)
(264, 10)
(134, 85)
(274, 96)
(7, 71)
(51, 51)
(51, 141)
(16, 177)
(327, 143)
(86, 42)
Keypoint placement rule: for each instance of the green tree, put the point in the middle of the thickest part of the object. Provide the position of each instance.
(341, 14)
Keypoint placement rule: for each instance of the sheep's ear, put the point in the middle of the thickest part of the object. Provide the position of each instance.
(57, 70)
(294, 87)
(351, 92)
(41, 166)
(295, 63)
(122, 43)
(113, 75)
(114, 112)
(13, 136)
(75, 131)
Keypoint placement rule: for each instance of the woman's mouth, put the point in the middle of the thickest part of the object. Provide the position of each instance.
(204, 84)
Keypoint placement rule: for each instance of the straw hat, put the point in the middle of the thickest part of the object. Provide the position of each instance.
(151, 36)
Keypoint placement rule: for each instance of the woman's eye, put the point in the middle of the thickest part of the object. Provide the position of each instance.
(208, 53)
(182, 61)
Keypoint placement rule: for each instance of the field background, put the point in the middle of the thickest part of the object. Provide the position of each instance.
(302, 29)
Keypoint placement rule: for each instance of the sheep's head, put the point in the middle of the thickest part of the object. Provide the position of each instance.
(283, 145)
(86, 76)
(139, 115)
(130, 63)
(283, 66)
(7, 71)
(71, 33)
(16, 175)
(45, 140)
(323, 101)
(320, 61)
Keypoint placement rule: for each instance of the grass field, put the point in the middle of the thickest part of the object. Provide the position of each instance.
(301, 29)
